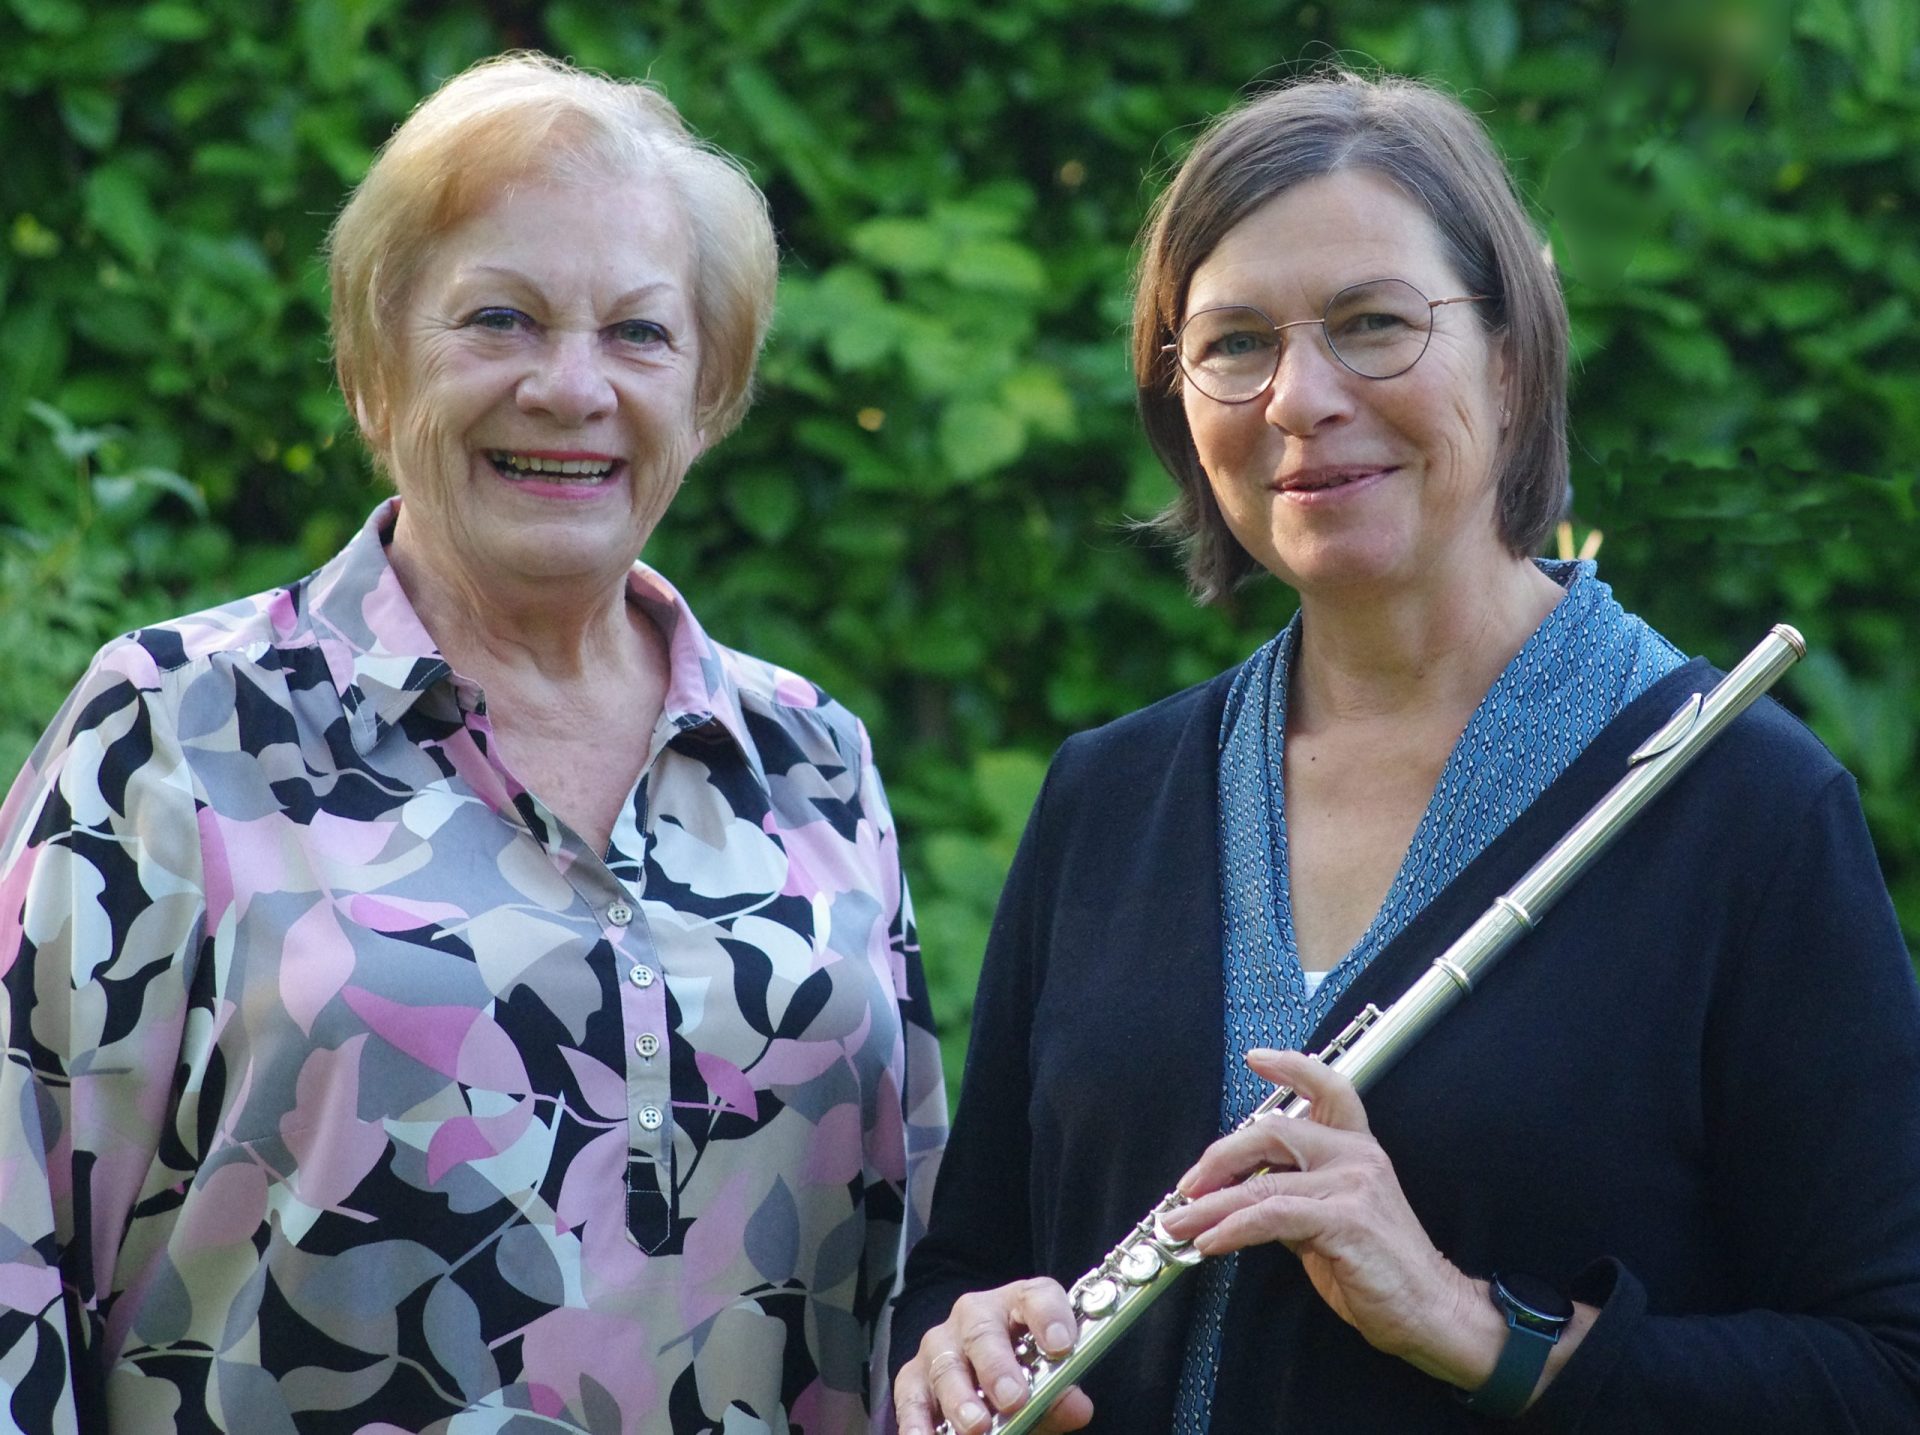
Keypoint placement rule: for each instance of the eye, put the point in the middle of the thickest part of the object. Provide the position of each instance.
(1241, 342)
(1372, 321)
(642, 332)
(498, 319)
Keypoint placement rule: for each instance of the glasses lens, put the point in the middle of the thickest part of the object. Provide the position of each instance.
(1379, 329)
(1229, 354)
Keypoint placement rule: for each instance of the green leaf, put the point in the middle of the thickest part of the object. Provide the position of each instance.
(117, 205)
(848, 310)
(910, 246)
(998, 266)
(168, 21)
(820, 169)
(978, 437)
(1007, 782)
(1037, 394)
(333, 36)
(51, 17)
(92, 115)
(74, 443)
(765, 500)
(603, 37)
(121, 490)
(1493, 29)
(32, 239)
(33, 348)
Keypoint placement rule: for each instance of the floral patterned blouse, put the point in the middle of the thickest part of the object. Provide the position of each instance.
(347, 1090)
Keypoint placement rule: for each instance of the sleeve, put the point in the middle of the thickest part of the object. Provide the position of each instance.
(906, 1144)
(1811, 1071)
(979, 1234)
(100, 908)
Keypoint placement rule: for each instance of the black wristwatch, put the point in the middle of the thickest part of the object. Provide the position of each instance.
(1536, 1314)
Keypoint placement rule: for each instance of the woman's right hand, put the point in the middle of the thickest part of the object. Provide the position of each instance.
(971, 1353)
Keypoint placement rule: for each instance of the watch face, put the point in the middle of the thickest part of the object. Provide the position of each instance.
(1532, 1301)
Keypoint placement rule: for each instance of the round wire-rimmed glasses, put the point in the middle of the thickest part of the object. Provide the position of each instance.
(1378, 329)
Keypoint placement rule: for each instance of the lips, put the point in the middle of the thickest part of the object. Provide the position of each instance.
(1327, 476)
(517, 465)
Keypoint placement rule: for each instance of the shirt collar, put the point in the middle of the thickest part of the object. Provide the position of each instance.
(382, 659)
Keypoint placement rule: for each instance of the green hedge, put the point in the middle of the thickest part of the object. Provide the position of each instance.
(926, 510)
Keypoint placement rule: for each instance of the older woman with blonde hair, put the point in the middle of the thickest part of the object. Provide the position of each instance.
(453, 992)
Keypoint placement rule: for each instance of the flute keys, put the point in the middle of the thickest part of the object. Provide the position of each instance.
(1097, 1299)
(1139, 1265)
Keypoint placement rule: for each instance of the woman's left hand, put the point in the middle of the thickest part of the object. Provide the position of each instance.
(1329, 1194)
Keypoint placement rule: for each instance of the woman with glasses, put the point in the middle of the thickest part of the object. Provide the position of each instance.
(1660, 1172)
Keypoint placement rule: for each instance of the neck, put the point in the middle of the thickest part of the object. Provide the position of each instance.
(1404, 655)
(553, 632)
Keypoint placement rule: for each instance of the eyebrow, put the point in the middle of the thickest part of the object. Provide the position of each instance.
(501, 271)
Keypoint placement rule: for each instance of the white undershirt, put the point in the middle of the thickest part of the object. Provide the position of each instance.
(1313, 982)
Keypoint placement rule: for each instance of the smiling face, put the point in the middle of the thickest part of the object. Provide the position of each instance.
(1335, 482)
(545, 407)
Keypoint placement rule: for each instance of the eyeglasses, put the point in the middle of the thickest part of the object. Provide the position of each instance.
(1378, 329)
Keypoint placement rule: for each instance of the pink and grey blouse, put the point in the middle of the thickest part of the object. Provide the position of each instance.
(346, 1089)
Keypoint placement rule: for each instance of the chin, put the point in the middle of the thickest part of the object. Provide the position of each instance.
(550, 557)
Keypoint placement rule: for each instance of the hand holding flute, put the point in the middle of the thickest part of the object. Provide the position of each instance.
(1322, 1187)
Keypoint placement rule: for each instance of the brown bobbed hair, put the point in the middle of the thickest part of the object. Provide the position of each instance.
(1438, 153)
(525, 118)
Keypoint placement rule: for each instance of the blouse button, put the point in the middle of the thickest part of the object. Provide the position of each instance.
(650, 1118)
(642, 976)
(619, 914)
(647, 1045)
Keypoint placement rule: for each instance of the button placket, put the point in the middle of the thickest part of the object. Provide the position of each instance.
(644, 1012)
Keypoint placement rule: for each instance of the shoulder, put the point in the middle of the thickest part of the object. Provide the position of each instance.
(1768, 762)
(127, 703)
(244, 627)
(783, 711)
(1185, 724)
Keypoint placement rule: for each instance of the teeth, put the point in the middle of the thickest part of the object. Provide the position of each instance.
(591, 470)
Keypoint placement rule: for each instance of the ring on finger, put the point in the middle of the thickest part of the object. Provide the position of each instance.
(943, 1362)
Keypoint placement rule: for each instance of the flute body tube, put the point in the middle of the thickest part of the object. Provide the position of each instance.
(1114, 1294)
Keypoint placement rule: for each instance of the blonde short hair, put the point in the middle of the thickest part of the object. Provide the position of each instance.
(520, 116)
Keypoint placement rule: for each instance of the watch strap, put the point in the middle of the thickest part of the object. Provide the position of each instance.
(1515, 1374)
(1536, 1314)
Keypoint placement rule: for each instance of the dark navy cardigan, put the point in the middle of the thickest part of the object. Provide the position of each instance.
(1693, 1096)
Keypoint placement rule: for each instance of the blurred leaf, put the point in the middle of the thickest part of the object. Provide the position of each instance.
(978, 437)
(996, 265)
(766, 502)
(92, 115)
(166, 21)
(1493, 29)
(51, 17)
(121, 490)
(910, 246)
(117, 205)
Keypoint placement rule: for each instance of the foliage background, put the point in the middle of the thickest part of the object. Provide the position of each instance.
(925, 511)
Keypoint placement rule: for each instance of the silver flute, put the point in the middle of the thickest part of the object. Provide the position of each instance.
(1114, 1294)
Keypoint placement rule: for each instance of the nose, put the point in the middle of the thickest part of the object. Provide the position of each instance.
(568, 380)
(1311, 388)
